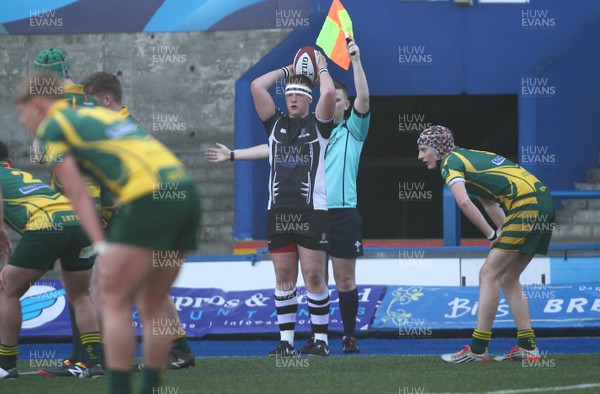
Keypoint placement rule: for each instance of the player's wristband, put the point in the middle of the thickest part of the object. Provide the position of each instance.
(493, 237)
(323, 70)
(231, 156)
(286, 72)
(100, 247)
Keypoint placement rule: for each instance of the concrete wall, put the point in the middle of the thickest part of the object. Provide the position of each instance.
(179, 86)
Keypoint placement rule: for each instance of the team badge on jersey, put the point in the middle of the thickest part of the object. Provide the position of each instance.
(498, 160)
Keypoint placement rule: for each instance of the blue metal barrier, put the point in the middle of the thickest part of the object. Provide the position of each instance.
(261, 252)
(452, 212)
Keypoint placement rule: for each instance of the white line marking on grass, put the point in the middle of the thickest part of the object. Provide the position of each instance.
(29, 373)
(539, 389)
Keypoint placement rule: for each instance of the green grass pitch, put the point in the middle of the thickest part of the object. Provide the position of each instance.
(348, 374)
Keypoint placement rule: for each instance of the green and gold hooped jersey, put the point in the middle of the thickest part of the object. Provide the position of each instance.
(129, 162)
(489, 175)
(76, 96)
(31, 205)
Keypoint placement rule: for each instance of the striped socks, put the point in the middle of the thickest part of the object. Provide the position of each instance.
(526, 339)
(286, 305)
(318, 309)
(91, 347)
(8, 356)
(481, 341)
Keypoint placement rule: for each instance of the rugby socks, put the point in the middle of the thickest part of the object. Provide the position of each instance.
(318, 309)
(180, 343)
(481, 341)
(286, 305)
(349, 310)
(76, 354)
(118, 382)
(8, 356)
(91, 346)
(150, 381)
(526, 339)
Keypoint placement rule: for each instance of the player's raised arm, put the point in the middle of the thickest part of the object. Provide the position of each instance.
(223, 153)
(263, 102)
(361, 102)
(326, 106)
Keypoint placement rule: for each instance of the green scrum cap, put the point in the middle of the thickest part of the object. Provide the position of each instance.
(53, 60)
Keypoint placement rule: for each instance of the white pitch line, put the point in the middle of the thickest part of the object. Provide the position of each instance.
(538, 389)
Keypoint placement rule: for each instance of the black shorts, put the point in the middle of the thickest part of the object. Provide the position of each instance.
(345, 229)
(309, 229)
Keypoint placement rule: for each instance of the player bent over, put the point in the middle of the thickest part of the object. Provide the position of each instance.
(132, 165)
(50, 231)
(106, 89)
(522, 210)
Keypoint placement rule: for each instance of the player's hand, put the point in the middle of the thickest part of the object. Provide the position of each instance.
(321, 63)
(4, 245)
(218, 155)
(352, 50)
(497, 240)
(321, 60)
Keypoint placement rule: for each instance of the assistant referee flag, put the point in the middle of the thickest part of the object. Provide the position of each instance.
(335, 30)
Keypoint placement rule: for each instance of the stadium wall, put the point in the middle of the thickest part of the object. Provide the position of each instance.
(179, 86)
(546, 53)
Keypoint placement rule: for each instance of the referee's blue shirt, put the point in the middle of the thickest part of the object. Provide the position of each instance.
(342, 159)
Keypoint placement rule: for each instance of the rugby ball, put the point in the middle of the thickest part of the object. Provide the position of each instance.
(305, 63)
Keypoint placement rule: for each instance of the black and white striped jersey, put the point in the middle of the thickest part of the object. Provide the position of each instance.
(297, 158)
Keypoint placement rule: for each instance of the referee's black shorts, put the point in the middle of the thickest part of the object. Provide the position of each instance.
(345, 232)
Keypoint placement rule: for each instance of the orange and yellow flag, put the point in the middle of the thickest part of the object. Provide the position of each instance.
(335, 30)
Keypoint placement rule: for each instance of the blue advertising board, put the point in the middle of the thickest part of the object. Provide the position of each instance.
(551, 306)
(202, 311)
(217, 312)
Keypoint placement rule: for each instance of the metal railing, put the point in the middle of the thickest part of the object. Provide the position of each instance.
(452, 212)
